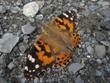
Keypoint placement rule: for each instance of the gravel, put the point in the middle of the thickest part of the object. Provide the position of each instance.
(20, 24)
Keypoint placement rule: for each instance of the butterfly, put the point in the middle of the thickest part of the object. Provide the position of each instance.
(52, 47)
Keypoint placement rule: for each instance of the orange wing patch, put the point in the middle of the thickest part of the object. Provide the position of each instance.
(52, 47)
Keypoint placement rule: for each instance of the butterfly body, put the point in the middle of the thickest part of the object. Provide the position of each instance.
(50, 49)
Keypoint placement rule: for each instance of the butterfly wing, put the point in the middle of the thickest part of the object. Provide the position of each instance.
(51, 47)
(66, 23)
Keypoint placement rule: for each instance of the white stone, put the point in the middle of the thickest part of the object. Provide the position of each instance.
(30, 9)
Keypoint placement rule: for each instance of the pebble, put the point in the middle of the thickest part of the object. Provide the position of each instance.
(100, 36)
(90, 49)
(36, 80)
(108, 50)
(39, 17)
(15, 9)
(27, 29)
(3, 80)
(75, 67)
(31, 9)
(103, 2)
(23, 47)
(47, 10)
(99, 61)
(2, 9)
(11, 65)
(79, 80)
(100, 50)
(105, 22)
(7, 42)
(106, 43)
(98, 73)
(2, 73)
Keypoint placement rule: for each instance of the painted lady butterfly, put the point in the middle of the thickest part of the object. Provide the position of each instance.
(52, 48)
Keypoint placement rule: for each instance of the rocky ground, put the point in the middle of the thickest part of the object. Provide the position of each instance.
(91, 61)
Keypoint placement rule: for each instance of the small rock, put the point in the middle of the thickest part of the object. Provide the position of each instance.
(98, 73)
(15, 9)
(100, 36)
(79, 80)
(108, 50)
(31, 19)
(75, 67)
(47, 10)
(36, 80)
(103, 2)
(100, 50)
(2, 73)
(3, 80)
(27, 29)
(81, 32)
(105, 22)
(99, 61)
(41, 4)
(106, 43)
(39, 17)
(7, 42)
(2, 9)
(90, 49)
(11, 65)
(23, 47)
(30, 9)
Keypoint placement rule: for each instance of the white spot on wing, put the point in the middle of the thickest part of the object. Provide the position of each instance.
(37, 66)
(71, 18)
(26, 68)
(33, 70)
(69, 11)
(65, 15)
(33, 60)
(29, 70)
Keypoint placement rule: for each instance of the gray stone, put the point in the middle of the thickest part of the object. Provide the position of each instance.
(100, 36)
(11, 65)
(75, 67)
(36, 80)
(103, 2)
(2, 73)
(47, 10)
(7, 42)
(27, 29)
(90, 49)
(108, 50)
(105, 22)
(15, 9)
(106, 43)
(3, 80)
(23, 47)
(98, 73)
(100, 50)
(99, 61)
(2, 9)
(79, 80)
